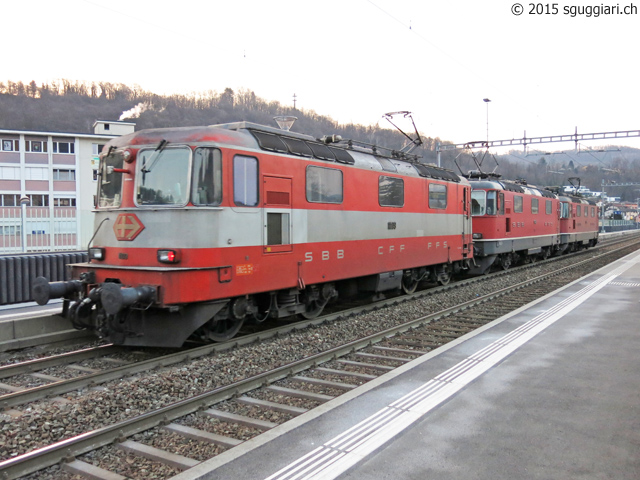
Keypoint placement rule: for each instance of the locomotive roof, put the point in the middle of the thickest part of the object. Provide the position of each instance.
(572, 199)
(253, 135)
(512, 187)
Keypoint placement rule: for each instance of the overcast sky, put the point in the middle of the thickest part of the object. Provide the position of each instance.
(352, 60)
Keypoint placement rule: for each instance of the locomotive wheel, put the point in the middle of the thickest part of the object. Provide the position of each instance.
(313, 308)
(505, 261)
(223, 330)
(444, 275)
(410, 282)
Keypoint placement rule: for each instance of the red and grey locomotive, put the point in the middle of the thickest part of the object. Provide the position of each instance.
(198, 229)
(514, 223)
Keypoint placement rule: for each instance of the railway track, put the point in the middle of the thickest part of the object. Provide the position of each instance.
(231, 413)
(56, 375)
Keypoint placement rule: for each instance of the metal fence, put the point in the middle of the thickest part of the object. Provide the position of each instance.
(608, 225)
(17, 273)
(38, 229)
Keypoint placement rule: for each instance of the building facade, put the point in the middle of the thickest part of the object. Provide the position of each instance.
(48, 182)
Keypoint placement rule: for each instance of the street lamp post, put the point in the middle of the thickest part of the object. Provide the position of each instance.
(486, 100)
(24, 203)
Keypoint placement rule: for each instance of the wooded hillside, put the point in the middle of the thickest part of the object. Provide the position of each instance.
(73, 107)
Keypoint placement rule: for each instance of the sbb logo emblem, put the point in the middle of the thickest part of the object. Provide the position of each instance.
(127, 227)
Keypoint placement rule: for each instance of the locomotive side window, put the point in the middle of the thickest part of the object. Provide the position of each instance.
(324, 185)
(501, 203)
(163, 178)
(110, 188)
(390, 192)
(478, 202)
(534, 206)
(438, 196)
(578, 210)
(207, 177)
(548, 207)
(245, 181)
(517, 203)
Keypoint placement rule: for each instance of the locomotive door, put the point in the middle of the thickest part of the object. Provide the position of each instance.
(277, 215)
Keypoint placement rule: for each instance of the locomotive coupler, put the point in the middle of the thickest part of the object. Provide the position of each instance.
(43, 290)
(115, 297)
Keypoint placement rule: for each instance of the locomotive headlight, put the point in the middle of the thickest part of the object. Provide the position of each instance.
(129, 155)
(96, 253)
(477, 236)
(169, 256)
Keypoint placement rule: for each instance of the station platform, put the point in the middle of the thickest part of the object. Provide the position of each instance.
(550, 391)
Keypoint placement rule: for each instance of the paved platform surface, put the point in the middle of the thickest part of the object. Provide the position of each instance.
(551, 391)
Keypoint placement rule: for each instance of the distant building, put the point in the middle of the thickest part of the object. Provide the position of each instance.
(48, 181)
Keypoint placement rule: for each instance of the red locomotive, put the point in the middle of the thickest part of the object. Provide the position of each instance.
(201, 228)
(515, 222)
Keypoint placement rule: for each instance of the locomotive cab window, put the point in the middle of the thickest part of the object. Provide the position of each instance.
(207, 177)
(484, 202)
(245, 181)
(491, 202)
(390, 192)
(478, 202)
(163, 177)
(438, 196)
(324, 185)
(564, 210)
(517, 203)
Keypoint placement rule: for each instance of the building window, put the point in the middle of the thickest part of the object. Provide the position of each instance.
(437, 196)
(37, 146)
(10, 145)
(63, 147)
(9, 200)
(65, 175)
(245, 181)
(38, 200)
(534, 206)
(390, 192)
(97, 148)
(64, 202)
(9, 173)
(36, 173)
(324, 185)
(517, 203)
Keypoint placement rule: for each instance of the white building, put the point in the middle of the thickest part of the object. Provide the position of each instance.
(48, 181)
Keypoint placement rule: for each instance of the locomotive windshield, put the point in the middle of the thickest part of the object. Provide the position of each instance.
(483, 202)
(163, 176)
(110, 188)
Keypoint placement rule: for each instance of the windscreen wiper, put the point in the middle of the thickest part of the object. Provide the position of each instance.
(155, 156)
